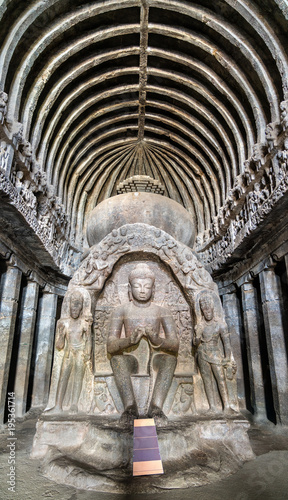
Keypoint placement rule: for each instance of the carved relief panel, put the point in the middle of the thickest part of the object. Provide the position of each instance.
(167, 294)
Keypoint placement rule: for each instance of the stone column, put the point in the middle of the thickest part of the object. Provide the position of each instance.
(250, 319)
(8, 313)
(275, 341)
(44, 349)
(233, 318)
(286, 265)
(27, 330)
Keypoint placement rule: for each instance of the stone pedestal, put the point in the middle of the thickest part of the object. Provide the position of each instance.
(96, 454)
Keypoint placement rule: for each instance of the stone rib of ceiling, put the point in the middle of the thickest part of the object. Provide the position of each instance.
(176, 90)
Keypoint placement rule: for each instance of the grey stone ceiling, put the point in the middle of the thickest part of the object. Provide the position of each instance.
(179, 91)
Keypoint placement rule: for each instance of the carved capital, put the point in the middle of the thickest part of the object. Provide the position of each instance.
(265, 265)
(227, 289)
(15, 261)
(280, 252)
(246, 281)
(4, 251)
(34, 276)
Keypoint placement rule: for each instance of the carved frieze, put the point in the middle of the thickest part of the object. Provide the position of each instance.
(179, 279)
(271, 186)
(48, 224)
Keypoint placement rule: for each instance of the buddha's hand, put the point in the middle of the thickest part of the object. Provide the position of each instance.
(137, 335)
(153, 336)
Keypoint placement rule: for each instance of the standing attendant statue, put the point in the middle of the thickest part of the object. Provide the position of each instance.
(210, 330)
(73, 336)
(142, 318)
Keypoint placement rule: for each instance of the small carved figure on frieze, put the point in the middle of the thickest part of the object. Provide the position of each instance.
(258, 155)
(238, 189)
(3, 105)
(284, 114)
(16, 131)
(142, 318)
(248, 175)
(184, 400)
(4, 155)
(102, 400)
(196, 275)
(73, 337)
(272, 133)
(118, 242)
(94, 266)
(215, 361)
(25, 149)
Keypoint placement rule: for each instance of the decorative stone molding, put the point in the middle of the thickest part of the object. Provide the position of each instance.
(34, 276)
(16, 262)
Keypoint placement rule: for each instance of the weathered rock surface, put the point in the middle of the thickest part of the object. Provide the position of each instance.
(96, 454)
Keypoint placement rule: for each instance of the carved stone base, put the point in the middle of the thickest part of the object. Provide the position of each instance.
(96, 454)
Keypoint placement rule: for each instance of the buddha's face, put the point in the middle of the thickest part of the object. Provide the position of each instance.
(76, 305)
(207, 308)
(142, 289)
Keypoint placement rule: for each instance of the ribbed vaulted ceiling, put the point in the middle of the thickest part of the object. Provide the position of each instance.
(176, 90)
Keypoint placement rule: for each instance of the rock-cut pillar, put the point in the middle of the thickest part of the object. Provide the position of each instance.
(271, 304)
(250, 319)
(27, 330)
(8, 313)
(44, 349)
(233, 318)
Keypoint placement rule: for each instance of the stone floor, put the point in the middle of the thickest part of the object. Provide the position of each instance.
(264, 478)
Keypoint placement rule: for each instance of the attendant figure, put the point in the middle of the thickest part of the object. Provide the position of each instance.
(209, 332)
(73, 335)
